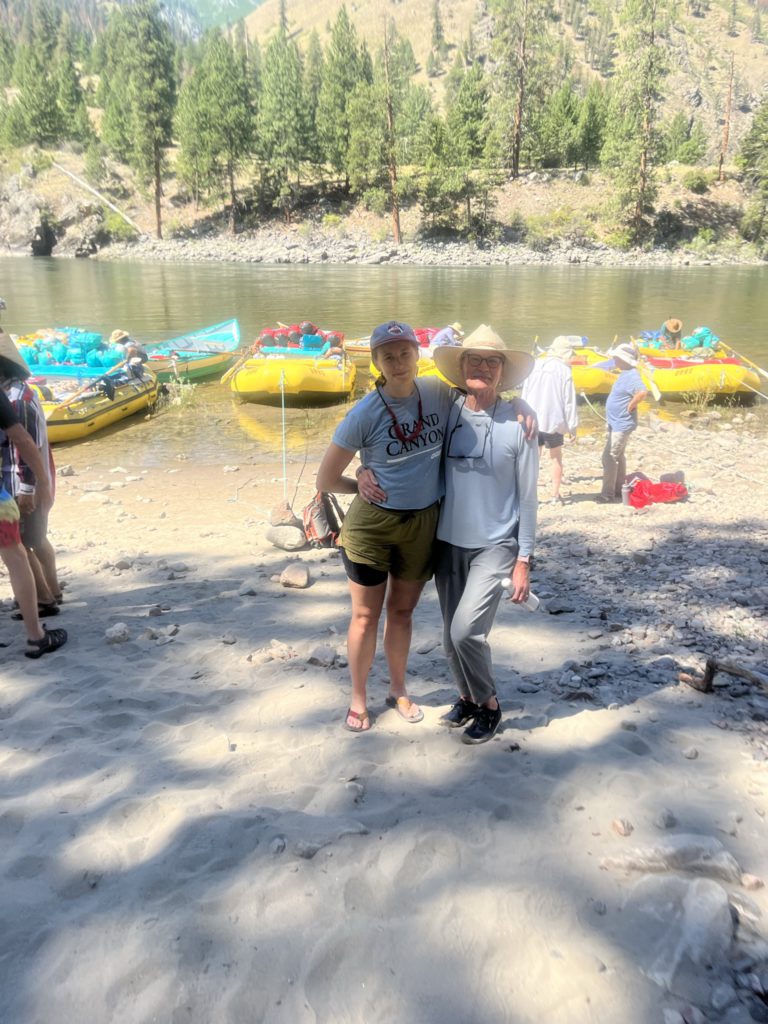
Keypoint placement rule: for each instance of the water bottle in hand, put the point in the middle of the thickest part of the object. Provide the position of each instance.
(530, 604)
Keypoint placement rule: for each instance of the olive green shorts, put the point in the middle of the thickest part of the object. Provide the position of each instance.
(394, 541)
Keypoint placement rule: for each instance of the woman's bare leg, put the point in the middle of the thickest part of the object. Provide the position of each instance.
(23, 587)
(367, 603)
(402, 598)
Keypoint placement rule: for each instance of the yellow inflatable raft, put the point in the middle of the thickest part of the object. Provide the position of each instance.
(304, 380)
(98, 407)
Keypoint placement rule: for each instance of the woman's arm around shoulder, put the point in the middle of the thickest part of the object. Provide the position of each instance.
(330, 475)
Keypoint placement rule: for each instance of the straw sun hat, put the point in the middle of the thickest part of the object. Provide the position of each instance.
(517, 365)
(117, 336)
(9, 354)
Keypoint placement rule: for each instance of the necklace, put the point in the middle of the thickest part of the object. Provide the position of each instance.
(399, 432)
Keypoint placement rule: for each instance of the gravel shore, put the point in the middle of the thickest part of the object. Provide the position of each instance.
(296, 245)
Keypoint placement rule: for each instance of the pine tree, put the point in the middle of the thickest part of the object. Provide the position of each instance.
(95, 169)
(753, 158)
(314, 63)
(385, 117)
(140, 94)
(282, 120)
(342, 72)
(522, 47)
(3, 120)
(44, 28)
(591, 127)
(467, 114)
(631, 149)
(225, 98)
(684, 140)
(555, 143)
(6, 57)
(116, 58)
(731, 27)
(438, 36)
(194, 165)
(756, 30)
(69, 94)
(35, 116)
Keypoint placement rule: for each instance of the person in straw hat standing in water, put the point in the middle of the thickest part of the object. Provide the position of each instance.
(487, 523)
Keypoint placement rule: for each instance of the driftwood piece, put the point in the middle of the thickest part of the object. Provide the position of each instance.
(704, 682)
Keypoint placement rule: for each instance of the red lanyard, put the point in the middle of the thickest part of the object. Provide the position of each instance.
(399, 432)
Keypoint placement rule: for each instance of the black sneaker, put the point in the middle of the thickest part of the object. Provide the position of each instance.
(461, 712)
(483, 727)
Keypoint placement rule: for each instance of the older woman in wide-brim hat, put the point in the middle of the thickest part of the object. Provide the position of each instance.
(487, 523)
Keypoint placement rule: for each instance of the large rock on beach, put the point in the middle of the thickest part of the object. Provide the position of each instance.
(296, 575)
(289, 538)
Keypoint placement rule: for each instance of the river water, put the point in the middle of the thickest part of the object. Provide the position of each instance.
(156, 301)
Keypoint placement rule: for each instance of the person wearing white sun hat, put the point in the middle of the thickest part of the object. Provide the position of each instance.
(621, 405)
(487, 523)
(551, 392)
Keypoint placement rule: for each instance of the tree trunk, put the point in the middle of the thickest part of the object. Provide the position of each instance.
(232, 198)
(726, 126)
(391, 147)
(522, 69)
(158, 193)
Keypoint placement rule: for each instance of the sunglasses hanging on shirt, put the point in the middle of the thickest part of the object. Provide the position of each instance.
(488, 430)
(400, 434)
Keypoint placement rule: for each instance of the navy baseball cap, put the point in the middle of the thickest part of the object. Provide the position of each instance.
(394, 330)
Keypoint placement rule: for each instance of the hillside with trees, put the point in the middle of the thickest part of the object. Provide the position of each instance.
(649, 113)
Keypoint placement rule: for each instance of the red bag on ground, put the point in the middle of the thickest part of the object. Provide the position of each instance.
(646, 492)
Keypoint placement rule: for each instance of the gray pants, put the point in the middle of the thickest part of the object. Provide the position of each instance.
(468, 582)
(614, 462)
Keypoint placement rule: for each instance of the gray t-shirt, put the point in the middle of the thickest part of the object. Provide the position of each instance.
(490, 493)
(409, 472)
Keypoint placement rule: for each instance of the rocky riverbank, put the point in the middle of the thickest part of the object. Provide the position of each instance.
(296, 245)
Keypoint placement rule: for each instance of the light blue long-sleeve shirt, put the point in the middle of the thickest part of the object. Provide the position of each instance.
(490, 494)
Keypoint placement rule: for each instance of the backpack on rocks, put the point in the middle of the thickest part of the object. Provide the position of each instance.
(322, 520)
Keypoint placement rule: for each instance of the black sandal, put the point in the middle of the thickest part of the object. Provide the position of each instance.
(44, 611)
(51, 641)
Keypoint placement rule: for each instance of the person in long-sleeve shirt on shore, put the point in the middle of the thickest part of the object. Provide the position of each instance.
(551, 392)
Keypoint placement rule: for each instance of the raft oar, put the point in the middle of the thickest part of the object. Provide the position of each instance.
(744, 359)
(89, 384)
(233, 369)
(646, 375)
(755, 390)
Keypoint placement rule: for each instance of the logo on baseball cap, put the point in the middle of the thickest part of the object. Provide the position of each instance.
(394, 330)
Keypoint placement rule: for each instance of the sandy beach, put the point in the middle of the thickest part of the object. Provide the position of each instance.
(189, 836)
